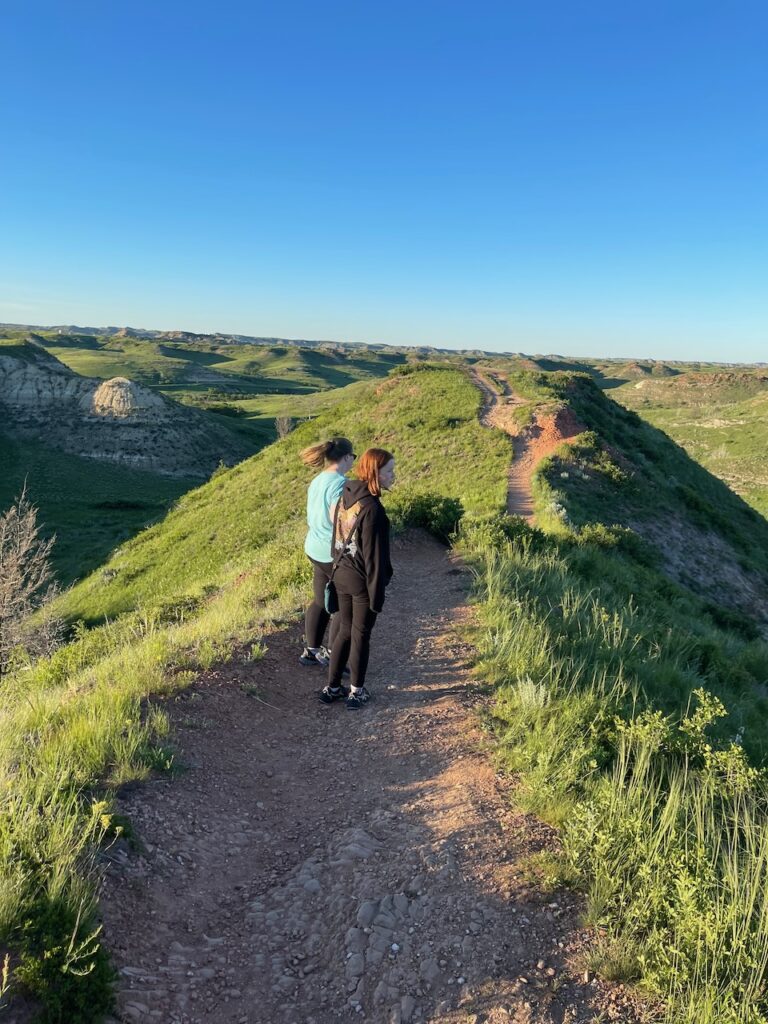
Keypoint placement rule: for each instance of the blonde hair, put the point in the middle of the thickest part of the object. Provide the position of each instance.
(369, 465)
(333, 450)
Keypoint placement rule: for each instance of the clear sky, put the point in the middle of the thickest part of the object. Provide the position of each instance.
(563, 176)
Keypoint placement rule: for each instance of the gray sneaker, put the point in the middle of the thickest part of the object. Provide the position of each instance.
(357, 699)
(316, 657)
(330, 695)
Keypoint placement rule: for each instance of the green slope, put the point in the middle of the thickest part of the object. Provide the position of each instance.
(90, 506)
(187, 368)
(214, 529)
(625, 639)
(719, 418)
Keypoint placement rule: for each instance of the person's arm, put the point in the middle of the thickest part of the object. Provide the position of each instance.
(374, 541)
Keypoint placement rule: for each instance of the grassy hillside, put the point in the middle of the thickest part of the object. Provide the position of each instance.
(91, 506)
(184, 368)
(212, 577)
(214, 528)
(631, 705)
(236, 384)
(719, 418)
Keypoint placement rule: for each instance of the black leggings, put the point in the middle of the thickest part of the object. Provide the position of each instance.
(352, 634)
(316, 619)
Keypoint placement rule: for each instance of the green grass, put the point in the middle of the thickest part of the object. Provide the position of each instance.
(632, 710)
(214, 528)
(720, 420)
(183, 594)
(625, 473)
(610, 678)
(596, 664)
(91, 506)
(187, 368)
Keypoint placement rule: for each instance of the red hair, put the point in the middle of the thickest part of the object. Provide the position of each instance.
(367, 469)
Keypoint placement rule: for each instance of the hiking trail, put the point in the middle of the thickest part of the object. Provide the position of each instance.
(312, 864)
(531, 442)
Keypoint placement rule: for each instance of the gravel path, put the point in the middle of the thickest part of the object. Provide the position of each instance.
(314, 864)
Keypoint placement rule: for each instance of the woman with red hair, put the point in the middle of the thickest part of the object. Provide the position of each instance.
(363, 570)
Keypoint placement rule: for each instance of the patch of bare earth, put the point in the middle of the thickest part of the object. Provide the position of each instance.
(314, 864)
(705, 563)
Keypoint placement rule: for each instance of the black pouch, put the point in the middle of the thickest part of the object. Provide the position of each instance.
(331, 598)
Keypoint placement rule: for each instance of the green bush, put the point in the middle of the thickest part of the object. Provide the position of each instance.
(64, 966)
(437, 514)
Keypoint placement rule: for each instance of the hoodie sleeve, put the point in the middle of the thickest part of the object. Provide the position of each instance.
(375, 551)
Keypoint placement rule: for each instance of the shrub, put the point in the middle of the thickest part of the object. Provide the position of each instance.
(433, 512)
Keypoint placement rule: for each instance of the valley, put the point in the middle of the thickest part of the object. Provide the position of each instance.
(718, 417)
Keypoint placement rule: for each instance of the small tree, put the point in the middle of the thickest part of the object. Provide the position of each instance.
(283, 426)
(26, 586)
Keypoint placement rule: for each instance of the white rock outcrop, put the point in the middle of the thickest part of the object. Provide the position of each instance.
(121, 398)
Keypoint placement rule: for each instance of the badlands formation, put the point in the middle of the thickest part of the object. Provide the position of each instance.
(115, 420)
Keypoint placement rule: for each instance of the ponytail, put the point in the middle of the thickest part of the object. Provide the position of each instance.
(333, 450)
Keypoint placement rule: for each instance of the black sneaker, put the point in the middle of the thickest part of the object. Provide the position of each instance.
(329, 695)
(308, 657)
(357, 699)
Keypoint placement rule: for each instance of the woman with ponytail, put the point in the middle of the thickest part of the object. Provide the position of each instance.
(363, 570)
(334, 459)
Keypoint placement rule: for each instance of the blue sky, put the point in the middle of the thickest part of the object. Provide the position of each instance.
(582, 178)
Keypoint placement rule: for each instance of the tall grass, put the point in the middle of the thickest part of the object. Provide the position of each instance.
(633, 711)
(608, 685)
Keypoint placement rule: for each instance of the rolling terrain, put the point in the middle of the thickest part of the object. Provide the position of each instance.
(718, 417)
(617, 623)
(625, 697)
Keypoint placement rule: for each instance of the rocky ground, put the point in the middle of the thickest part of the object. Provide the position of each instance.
(312, 864)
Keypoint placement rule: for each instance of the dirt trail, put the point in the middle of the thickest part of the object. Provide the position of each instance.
(315, 864)
(530, 444)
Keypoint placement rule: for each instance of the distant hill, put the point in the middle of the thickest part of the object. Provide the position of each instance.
(719, 417)
(601, 366)
(115, 420)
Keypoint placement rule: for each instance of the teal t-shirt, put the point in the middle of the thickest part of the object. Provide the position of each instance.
(323, 492)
